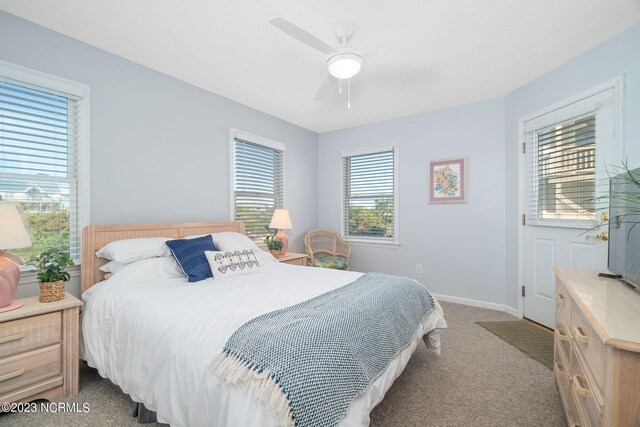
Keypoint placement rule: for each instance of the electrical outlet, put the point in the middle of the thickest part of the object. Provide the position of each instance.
(418, 268)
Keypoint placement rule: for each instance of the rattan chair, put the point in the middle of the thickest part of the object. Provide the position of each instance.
(327, 249)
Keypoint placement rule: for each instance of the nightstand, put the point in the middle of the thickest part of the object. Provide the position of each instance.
(39, 350)
(294, 258)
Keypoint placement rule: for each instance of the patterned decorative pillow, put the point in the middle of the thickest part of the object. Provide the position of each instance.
(189, 254)
(225, 264)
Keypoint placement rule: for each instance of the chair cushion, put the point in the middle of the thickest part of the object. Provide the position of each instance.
(334, 262)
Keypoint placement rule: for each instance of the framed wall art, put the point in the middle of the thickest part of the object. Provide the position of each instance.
(448, 181)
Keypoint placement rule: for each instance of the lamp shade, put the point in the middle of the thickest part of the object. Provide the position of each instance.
(12, 232)
(281, 220)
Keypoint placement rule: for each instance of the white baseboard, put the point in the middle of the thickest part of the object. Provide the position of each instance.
(512, 311)
(477, 303)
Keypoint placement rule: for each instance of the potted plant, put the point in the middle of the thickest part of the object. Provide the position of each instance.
(274, 245)
(51, 265)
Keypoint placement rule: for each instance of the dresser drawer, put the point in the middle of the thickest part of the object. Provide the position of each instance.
(29, 368)
(563, 301)
(563, 377)
(593, 352)
(584, 394)
(18, 336)
(562, 346)
(562, 334)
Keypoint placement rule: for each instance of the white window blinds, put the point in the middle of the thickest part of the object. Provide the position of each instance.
(565, 160)
(39, 140)
(369, 194)
(562, 165)
(258, 185)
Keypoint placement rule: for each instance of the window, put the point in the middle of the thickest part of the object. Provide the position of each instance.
(565, 156)
(40, 140)
(258, 182)
(370, 205)
(567, 151)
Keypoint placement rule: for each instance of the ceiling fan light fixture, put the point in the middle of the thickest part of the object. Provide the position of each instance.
(345, 65)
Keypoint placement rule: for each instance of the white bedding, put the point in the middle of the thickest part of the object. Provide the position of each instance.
(156, 339)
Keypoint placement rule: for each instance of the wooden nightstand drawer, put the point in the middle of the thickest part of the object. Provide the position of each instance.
(293, 258)
(29, 368)
(18, 336)
(39, 350)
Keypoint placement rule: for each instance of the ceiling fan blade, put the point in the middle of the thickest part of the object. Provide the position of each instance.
(325, 88)
(301, 35)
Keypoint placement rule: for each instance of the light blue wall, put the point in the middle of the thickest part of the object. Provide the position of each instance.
(617, 56)
(159, 146)
(461, 246)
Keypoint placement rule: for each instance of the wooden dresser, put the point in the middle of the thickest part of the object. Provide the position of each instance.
(597, 349)
(39, 350)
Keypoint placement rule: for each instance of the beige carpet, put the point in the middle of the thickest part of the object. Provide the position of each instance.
(479, 380)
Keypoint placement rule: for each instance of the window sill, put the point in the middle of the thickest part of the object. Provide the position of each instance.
(372, 243)
(28, 277)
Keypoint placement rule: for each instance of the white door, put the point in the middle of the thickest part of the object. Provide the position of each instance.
(565, 155)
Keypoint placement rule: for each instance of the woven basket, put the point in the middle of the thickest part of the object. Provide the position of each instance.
(275, 253)
(51, 291)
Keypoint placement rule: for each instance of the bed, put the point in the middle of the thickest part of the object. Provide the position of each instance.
(155, 335)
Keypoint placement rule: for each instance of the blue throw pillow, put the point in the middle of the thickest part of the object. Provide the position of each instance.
(189, 253)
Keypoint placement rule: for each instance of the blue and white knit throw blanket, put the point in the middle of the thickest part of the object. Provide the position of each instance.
(306, 363)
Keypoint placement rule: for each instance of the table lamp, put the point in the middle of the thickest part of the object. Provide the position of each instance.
(282, 221)
(12, 235)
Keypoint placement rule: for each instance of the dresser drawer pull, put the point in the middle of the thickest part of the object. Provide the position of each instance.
(576, 425)
(12, 374)
(577, 385)
(560, 299)
(560, 370)
(561, 335)
(10, 338)
(580, 336)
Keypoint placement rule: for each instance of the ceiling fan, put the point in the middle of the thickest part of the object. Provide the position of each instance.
(343, 62)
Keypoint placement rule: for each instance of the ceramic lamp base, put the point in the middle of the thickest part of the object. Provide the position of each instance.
(285, 241)
(9, 278)
(12, 306)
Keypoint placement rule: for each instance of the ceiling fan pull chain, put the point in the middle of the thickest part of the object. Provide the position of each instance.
(340, 87)
(349, 94)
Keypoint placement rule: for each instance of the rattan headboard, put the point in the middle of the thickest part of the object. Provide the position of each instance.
(96, 236)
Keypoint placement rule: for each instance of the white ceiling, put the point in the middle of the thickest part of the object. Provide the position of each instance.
(465, 50)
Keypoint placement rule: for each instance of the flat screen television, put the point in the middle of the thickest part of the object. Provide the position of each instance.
(624, 238)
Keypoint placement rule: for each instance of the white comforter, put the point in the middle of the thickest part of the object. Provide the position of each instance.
(156, 339)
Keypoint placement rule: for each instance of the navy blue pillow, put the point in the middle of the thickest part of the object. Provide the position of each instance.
(189, 253)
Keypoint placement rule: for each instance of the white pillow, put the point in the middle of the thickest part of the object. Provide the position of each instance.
(225, 264)
(158, 268)
(112, 267)
(126, 251)
(231, 241)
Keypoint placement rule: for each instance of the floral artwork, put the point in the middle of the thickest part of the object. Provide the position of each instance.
(448, 181)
